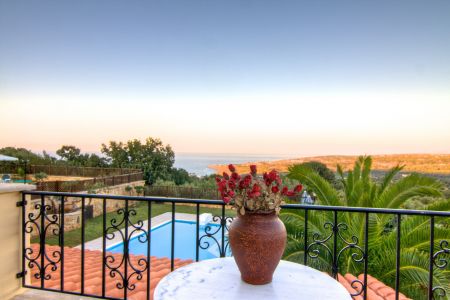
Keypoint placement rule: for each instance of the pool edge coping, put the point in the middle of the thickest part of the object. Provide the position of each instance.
(157, 221)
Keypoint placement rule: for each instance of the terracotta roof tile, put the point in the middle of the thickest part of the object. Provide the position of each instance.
(159, 267)
(376, 290)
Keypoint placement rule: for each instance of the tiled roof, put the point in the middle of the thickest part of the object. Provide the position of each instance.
(376, 290)
(160, 267)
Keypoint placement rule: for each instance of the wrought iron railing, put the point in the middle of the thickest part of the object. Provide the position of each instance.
(331, 242)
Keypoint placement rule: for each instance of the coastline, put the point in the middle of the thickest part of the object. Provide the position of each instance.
(423, 163)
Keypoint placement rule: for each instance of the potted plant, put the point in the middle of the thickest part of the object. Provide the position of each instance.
(40, 177)
(257, 236)
(139, 189)
(129, 189)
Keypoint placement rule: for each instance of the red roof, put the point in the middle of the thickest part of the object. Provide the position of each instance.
(159, 267)
(376, 290)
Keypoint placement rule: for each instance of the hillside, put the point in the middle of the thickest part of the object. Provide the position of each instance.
(423, 163)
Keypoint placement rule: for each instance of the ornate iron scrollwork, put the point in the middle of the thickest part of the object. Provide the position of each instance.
(313, 248)
(441, 262)
(117, 266)
(209, 237)
(356, 251)
(42, 260)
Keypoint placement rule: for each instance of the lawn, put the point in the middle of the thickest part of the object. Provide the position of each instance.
(94, 226)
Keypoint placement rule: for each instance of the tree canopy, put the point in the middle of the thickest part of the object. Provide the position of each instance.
(321, 169)
(153, 157)
(73, 156)
(27, 155)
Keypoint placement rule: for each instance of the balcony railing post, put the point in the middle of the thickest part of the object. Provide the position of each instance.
(61, 233)
(42, 240)
(149, 234)
(104, 248)
(335, 268)
(197, 229)
(24, 207)
(223, 224)
(398, 257)
(126, 251)
(172, 245)
(83, 239)
(431, 261)
(305, 247)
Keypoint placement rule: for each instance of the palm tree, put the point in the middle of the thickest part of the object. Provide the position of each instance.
(360, 190)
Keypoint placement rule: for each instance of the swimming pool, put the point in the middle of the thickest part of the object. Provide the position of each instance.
(185, 241)
(22, 181)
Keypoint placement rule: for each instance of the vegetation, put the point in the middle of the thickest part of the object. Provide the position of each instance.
(139, 189)
(73, 156)
(30, 157)
(20, 172)
(95, 188)
(128, 189)
(321, 169)
(153, 157)
(422, 163)
(41, 176)
(361, 191)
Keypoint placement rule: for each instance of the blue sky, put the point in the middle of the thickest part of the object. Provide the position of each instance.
(318, 77)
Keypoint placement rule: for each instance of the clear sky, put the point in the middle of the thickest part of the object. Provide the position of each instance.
(264, 77)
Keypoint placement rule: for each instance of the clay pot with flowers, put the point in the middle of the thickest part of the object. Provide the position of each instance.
(257, 236)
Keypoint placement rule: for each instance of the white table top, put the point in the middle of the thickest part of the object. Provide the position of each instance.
(220, 279)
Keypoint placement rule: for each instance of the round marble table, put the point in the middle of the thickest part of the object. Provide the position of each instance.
(220, 279)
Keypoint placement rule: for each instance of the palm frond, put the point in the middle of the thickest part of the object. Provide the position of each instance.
(414, 185)
(325, 192)
(340, 172)
(367, 167)
(389, 177)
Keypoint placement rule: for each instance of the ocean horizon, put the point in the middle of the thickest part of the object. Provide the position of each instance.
(197, 163)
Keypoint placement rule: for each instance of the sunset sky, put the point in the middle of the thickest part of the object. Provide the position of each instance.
(260, 77)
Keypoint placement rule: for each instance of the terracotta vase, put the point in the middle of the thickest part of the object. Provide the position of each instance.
(257, 241)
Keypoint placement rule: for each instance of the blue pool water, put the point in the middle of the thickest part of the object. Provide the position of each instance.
(185, 241)
(22, 181)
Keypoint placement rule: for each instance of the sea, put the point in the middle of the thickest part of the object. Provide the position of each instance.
(198, 163)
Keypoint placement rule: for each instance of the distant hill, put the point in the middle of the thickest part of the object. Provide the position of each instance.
(422, 163)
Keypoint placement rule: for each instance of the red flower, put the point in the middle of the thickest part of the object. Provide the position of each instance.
(231, 193)
(252, 194)
(256, 188)
(275, 189)
(226, 200)
(225, 175)
(290, 193)
(298, 188)
(235, 176)
(222, 185)
(218, 179)
(245, 183)
(284, 190)
(273, 175)
(242, 184)
(232, 184)
(231, 168)
(253, 169)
